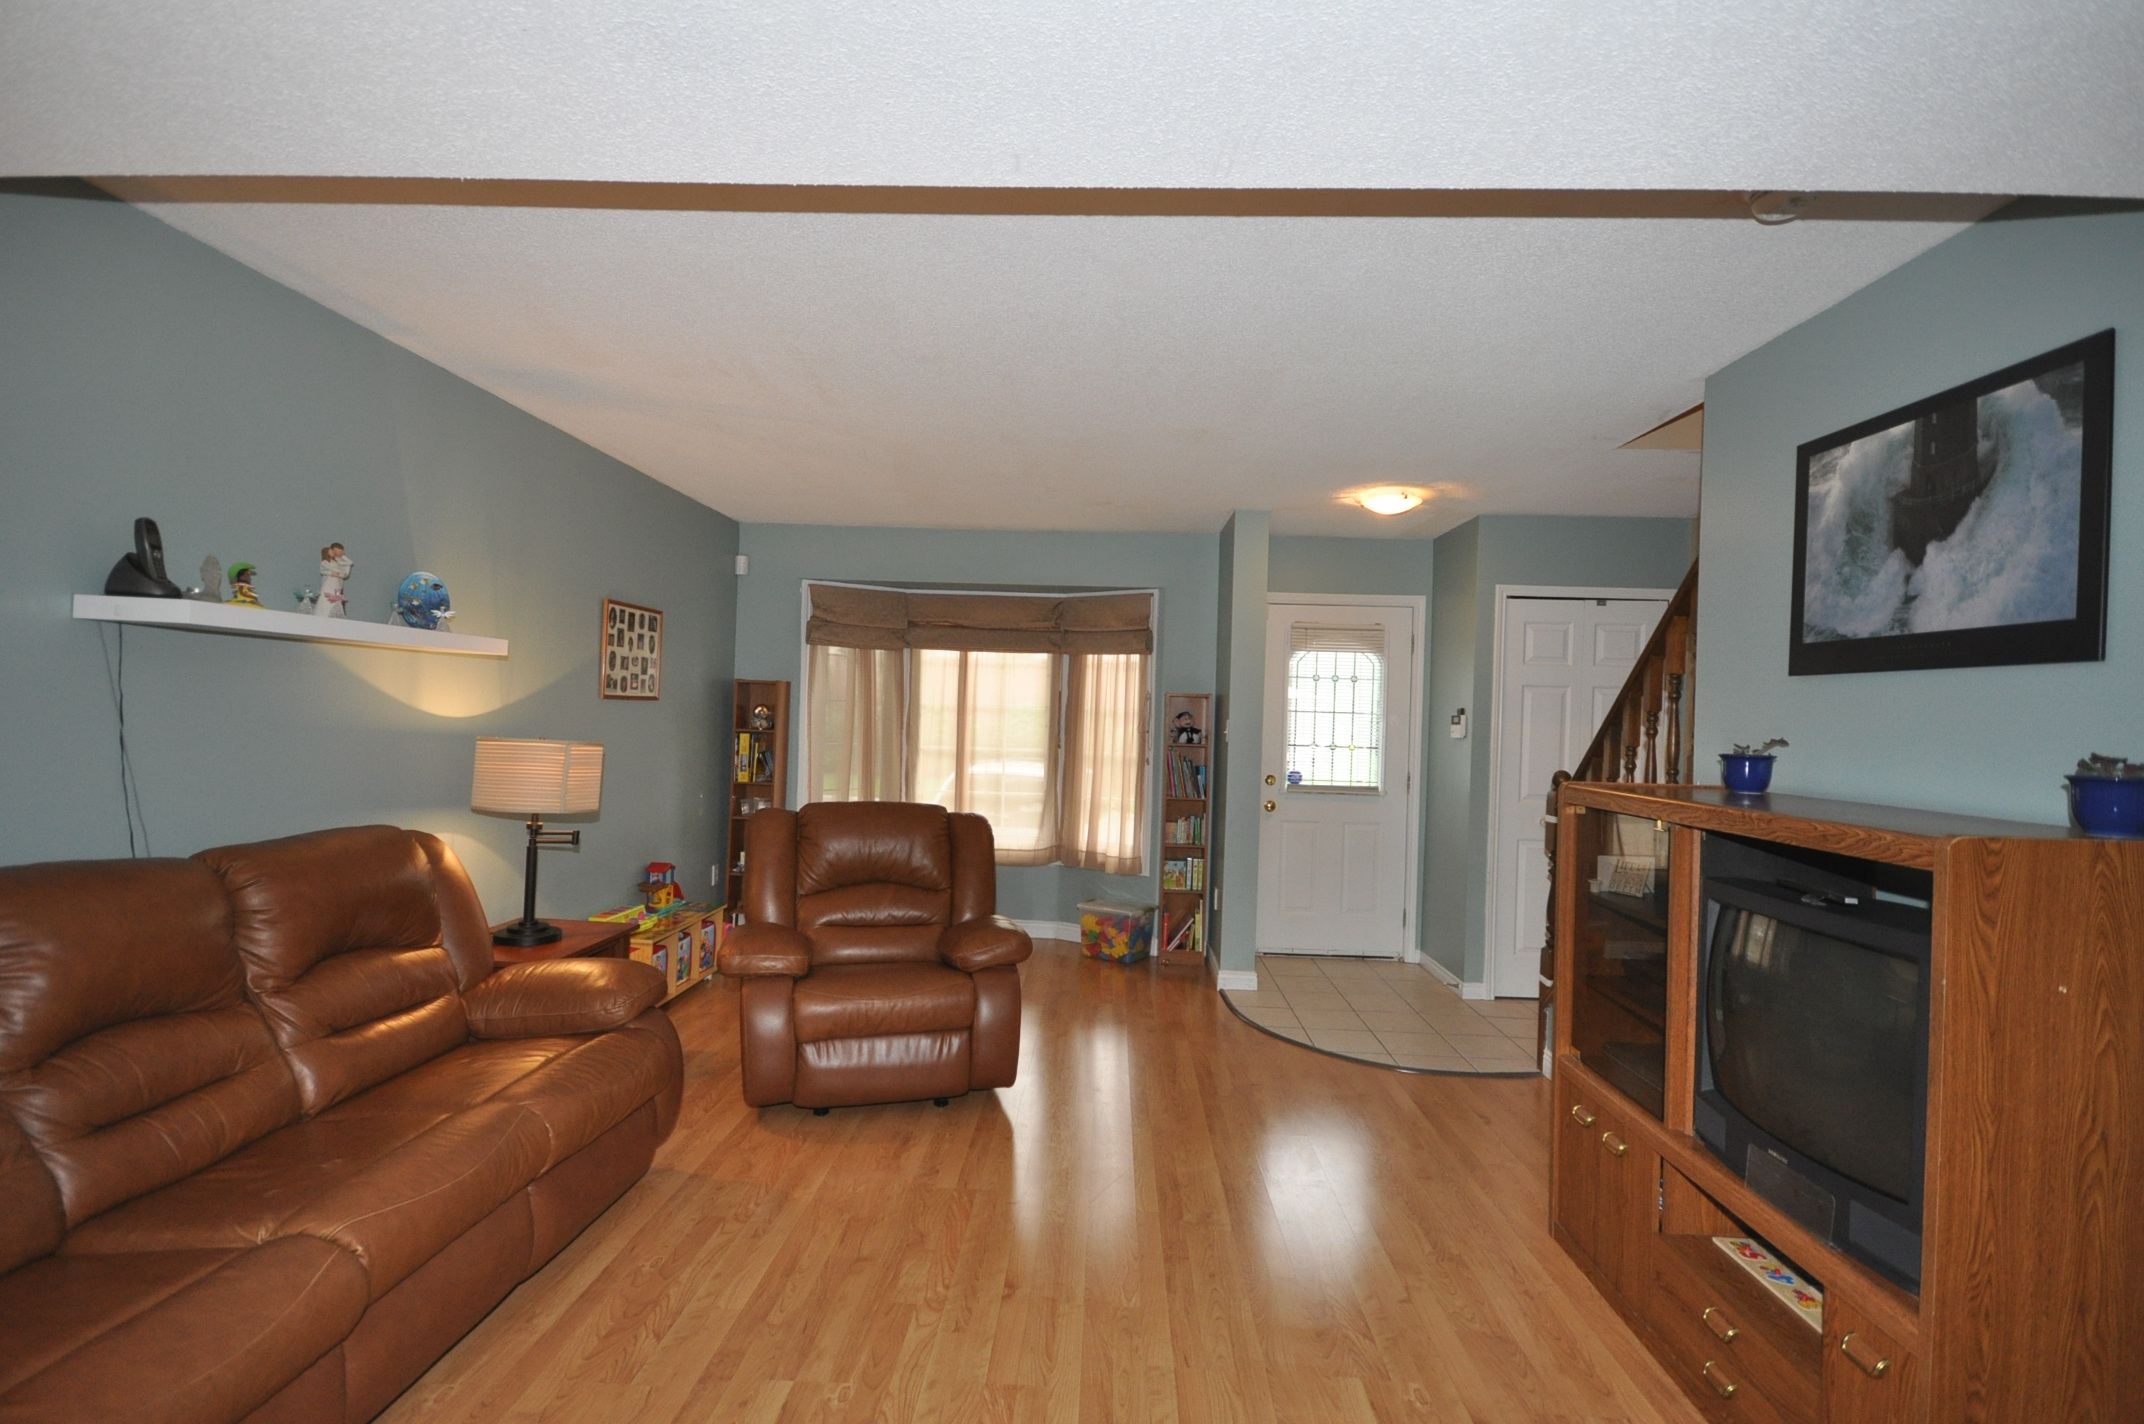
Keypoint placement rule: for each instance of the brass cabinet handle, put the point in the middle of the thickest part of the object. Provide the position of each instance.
(1874, 1369)
(1614, 1144)
(1726, 1332)
(1723, 1387)
(1580, 1116)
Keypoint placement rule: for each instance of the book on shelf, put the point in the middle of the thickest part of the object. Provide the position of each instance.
(1184, 873)
(1185, 936)
(1186, 831)
(1187, 776)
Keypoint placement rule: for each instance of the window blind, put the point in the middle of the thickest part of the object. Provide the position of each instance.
(1330, 638)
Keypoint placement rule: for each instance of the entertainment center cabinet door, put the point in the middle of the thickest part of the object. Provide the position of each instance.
(1605, 1200)
(1868, 1379)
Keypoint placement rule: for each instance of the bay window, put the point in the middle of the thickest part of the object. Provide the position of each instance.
(1030, 711)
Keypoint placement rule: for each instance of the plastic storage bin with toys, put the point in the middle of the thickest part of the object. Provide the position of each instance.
(1120, 933)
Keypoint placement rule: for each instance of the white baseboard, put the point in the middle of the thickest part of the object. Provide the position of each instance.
(1244, 980)
(1468, 988)
(1050, 929)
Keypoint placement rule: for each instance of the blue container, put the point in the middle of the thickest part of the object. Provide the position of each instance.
(1745, 774)
(2107, 805)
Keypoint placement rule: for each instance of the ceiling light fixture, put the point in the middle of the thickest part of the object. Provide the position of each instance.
(1389, 500)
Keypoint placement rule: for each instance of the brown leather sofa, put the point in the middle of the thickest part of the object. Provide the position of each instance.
(874, 966)
(274, 1133)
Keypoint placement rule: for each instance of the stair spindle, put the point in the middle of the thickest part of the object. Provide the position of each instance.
(1675, 729)
(1651, 709)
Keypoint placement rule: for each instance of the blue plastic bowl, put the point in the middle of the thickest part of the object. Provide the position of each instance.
(1744, 774)
(2107, 806)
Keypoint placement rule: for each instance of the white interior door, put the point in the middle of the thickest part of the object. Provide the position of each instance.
(1564, 660)
(1335, 850)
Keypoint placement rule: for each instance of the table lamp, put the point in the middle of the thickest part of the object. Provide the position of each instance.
(536, 779)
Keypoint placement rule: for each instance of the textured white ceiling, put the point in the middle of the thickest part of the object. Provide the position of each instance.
(1933, 95)
(1082, 372)
(920, 367)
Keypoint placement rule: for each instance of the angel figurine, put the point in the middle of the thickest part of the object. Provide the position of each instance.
(211, 589)
(335, 566)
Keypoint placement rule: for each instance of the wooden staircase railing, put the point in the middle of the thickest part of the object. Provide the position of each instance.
(1647, 730)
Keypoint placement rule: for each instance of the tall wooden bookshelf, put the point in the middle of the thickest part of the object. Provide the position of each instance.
(759, 767)
(1183, 935)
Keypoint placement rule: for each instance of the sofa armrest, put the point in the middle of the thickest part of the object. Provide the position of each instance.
(759, 951)
(562, 996)
(984, 944)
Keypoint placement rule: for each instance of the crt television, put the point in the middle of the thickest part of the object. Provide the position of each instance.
(1813, 1060)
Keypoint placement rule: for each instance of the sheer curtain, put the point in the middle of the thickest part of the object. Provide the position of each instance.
(982, 736)
(1103, 821)
(853, 724)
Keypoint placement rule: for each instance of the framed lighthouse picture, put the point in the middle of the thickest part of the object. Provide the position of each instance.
(1965, 530)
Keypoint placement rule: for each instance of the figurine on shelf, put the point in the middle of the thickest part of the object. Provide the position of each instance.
(1186, 732)
(421, 602)
(211, 588)
(335, 566)
(762, 718)
(242, 593)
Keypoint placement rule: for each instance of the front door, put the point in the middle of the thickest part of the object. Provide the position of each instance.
(1336, 787)
(1564, 660)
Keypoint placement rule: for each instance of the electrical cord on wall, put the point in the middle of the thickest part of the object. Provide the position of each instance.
(115, 674)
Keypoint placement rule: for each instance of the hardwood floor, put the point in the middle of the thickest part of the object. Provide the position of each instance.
(1171, 1217)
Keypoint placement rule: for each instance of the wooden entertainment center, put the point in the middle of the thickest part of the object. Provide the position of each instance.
(2030, 1306)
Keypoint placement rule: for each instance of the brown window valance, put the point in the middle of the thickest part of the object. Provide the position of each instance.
(980, 622)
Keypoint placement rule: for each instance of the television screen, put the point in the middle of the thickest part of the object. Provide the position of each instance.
(1816, 1040)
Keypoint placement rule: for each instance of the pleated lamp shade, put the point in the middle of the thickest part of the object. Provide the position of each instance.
(535, 778)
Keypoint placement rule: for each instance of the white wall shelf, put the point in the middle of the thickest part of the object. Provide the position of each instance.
(201, 617)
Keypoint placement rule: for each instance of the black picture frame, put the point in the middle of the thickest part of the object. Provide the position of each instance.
(2078, 638)
(629, 657)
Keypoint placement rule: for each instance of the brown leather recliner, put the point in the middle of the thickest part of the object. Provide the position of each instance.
(875, 968)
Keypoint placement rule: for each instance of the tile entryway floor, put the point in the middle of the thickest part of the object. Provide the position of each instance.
(1379, 1011)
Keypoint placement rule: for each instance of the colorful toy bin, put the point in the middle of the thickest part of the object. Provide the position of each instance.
(1123, 934)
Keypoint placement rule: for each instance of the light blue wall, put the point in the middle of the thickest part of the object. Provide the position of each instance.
(1541, 550)
(1240, 710)
(770, 629)
(1450, 763)
(1303, 564)
(1374, 566)
(1986, 741)
(142, 373)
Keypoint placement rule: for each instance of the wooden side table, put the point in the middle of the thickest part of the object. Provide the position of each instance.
(583, 939)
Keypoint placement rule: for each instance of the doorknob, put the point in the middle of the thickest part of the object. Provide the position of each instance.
(1270, 805)
(1270, 778)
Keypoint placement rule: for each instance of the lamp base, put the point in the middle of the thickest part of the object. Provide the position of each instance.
(522, 934)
